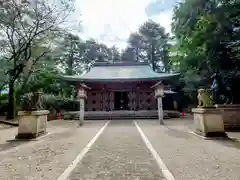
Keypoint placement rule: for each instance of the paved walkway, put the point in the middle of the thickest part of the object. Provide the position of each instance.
(48, 157)
(118, 151)
(190, 157)
(118, 154)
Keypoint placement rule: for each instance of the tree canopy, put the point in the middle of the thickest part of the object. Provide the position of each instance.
(36, 48)
(207, 40)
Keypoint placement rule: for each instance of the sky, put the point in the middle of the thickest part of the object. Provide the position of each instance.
(112, 21)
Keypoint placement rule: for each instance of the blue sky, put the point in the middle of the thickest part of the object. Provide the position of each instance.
(111, 21)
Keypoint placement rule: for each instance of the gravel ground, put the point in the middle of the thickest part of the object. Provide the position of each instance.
(4, 126)
(118, 154)
(48, 157)
(7, 136)
(189, 157)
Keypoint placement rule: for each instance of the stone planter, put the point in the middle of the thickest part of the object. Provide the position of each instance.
(231, 115)
(32, 124)
(208, 122)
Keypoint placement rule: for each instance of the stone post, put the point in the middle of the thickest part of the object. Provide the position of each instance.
(82, 95)
(159, 92)
(81, 111)
(160, 110)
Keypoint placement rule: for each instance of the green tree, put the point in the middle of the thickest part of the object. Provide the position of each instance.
(115, 54)
(207, 38)
(3, 77)
(136, 44)
(149, 44)
(69, 52)
(157, 43)
(128, 54)
(24, 25)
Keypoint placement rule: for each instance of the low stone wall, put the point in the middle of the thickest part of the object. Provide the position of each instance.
(231, 115)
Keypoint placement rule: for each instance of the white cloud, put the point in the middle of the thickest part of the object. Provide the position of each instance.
(165, 19)
(111, 21)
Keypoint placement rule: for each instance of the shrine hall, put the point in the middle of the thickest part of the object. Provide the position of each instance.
(121, 87)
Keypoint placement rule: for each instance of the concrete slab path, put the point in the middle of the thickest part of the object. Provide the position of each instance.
(118, 154)
(190, 157)
(119, 150)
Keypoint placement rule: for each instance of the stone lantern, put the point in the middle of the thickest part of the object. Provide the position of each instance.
(82, 96)
(159, 93)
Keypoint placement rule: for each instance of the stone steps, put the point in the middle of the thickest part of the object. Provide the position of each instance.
(100, 115)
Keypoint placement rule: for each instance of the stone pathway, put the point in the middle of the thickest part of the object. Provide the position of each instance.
(190, 157)
(118, 154)
(47, 158)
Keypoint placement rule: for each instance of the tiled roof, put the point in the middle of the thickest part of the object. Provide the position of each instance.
(120, 72)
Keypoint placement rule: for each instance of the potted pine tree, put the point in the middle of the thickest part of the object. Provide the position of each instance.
(32, 117)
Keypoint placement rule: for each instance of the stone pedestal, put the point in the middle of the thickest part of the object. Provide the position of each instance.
(81, 111)
(32, 124)
(208, 122)
(160, 110)
(231, 115)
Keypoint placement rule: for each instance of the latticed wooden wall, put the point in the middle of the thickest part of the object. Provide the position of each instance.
(146, 100)
(94, 101)
(132, 103)
(102, 101)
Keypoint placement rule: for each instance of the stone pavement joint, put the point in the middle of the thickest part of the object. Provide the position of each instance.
(190, 157)
(74, 163)
(49, 157)
(168, 175)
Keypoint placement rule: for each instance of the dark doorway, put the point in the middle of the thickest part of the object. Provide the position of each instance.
(168, 102)
(121, 101)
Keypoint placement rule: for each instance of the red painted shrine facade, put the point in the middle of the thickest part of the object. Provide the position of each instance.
(119, 86)
(120, 96)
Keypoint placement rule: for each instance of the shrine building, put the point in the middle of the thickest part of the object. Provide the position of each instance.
(120, 86)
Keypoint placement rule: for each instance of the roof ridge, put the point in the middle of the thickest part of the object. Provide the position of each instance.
(121, 63)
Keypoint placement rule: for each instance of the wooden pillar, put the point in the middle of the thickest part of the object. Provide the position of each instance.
(137, 98)
(108, 101)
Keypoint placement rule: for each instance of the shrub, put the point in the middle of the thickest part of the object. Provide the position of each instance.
(39, 101)
(3, 103)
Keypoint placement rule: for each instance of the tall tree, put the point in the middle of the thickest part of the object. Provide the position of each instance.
(150, 44)
(3, 77)
(136, 43)
(157, 43)
(207, 35)
(69, 52)
(128, 54)
(24, 25)
(115, 54)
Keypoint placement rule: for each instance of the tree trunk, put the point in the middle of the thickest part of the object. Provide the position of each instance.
(165, 60)
(70, 65)
(137, 54)
(153, 58)
(11, 102)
